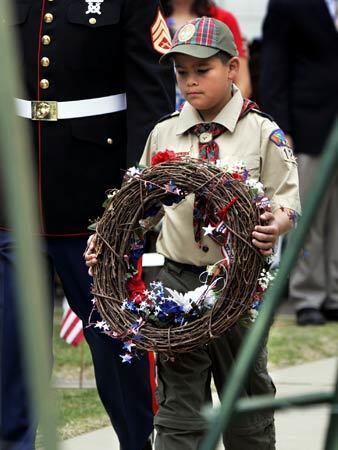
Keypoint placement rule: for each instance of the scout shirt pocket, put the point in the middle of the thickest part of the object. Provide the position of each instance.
(93, 37)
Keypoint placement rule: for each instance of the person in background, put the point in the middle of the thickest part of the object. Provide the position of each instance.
(180, 11)
(93, 91)
(299, 88)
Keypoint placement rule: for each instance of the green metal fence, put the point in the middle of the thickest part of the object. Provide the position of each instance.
(16, 177)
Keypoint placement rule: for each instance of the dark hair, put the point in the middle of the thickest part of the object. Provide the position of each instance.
(223, 56)
(199, 7)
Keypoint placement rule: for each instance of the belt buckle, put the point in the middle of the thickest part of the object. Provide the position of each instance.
(45, 110)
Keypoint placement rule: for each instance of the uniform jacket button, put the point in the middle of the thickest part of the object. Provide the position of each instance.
(45, 39)
(44, 84)
(45, 61)
(48, 18)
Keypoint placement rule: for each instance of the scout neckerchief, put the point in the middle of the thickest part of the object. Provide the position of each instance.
(209, 151)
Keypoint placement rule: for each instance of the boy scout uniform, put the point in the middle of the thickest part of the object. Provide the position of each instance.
(184, 384)
(93, 90)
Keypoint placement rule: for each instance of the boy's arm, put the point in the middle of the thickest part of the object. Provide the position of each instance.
(279, 172)
(279, 176)
(264, 237)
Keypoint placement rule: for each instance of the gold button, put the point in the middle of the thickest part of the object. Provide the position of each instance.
(44, 84)
(48, 18)
(92, 21)
(45, 61)
(45, 39)
(109, 141)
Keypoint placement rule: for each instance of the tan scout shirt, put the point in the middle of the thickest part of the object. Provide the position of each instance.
(247, 140)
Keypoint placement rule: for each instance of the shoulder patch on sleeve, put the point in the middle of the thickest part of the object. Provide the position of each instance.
(261, 113)
(169, 116)
(278, 138)
(160, 34)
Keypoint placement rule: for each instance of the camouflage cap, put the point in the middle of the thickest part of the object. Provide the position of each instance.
(202, 38)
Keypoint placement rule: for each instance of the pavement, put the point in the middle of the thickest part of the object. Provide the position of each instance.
(297, 429)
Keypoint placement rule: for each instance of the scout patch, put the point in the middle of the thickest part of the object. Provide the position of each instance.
(94, 6)
(186, 32)
(278, 138)
(160, 34)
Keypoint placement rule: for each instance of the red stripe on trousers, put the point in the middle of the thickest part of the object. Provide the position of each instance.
(152, 380)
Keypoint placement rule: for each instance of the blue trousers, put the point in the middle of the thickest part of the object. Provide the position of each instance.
(125, 390)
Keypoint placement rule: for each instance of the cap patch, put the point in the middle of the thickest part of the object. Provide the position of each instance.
(186, 32)
(160, 34)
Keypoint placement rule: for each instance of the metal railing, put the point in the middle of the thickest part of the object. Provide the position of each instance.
(16, 175)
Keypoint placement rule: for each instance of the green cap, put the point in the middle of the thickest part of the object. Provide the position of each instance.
(202, 38)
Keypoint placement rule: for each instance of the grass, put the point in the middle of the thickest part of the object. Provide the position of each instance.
(80, 410)
(290, 344)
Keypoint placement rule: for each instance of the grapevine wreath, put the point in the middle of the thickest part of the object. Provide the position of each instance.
(227, 207)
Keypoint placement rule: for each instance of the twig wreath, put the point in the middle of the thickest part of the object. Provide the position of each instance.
(227, 207)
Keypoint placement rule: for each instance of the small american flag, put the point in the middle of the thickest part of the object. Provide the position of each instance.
(71, 326)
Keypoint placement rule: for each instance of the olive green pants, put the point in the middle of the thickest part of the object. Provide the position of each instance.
(184, 387)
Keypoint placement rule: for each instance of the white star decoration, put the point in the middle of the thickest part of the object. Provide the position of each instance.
(133, 171)
(208, 230)
(126, 358)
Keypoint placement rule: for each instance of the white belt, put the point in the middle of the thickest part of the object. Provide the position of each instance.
(52, 110)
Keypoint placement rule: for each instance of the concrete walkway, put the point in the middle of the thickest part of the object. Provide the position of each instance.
(297, 429)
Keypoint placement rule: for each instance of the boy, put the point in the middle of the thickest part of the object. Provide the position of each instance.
(214, 124)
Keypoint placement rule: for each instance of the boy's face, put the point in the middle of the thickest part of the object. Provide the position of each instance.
(206, 83)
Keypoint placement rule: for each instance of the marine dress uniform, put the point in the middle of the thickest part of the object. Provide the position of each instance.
(93, 91)
(184, 384)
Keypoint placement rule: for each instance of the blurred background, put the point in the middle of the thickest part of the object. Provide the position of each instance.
(250, 15)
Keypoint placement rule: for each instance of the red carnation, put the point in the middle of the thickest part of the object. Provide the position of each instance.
(160, 157)
(237, 176)
(136, 286)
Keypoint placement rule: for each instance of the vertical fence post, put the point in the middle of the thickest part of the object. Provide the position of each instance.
(17, 184)
(328, 167)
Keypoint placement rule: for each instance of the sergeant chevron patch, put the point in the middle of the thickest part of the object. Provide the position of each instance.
(160, 34)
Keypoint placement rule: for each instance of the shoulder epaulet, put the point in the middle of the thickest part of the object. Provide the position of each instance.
(263, 114)
(169, 116)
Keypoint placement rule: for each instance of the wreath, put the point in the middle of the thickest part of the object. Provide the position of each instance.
(227, 206)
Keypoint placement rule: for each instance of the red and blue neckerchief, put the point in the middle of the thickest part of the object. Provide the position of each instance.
(209, 151)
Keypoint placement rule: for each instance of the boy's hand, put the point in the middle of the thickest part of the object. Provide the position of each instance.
(90, 253)
(265, 236)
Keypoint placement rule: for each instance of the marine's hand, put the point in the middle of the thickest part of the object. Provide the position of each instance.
(265, 236)
(90, 254)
